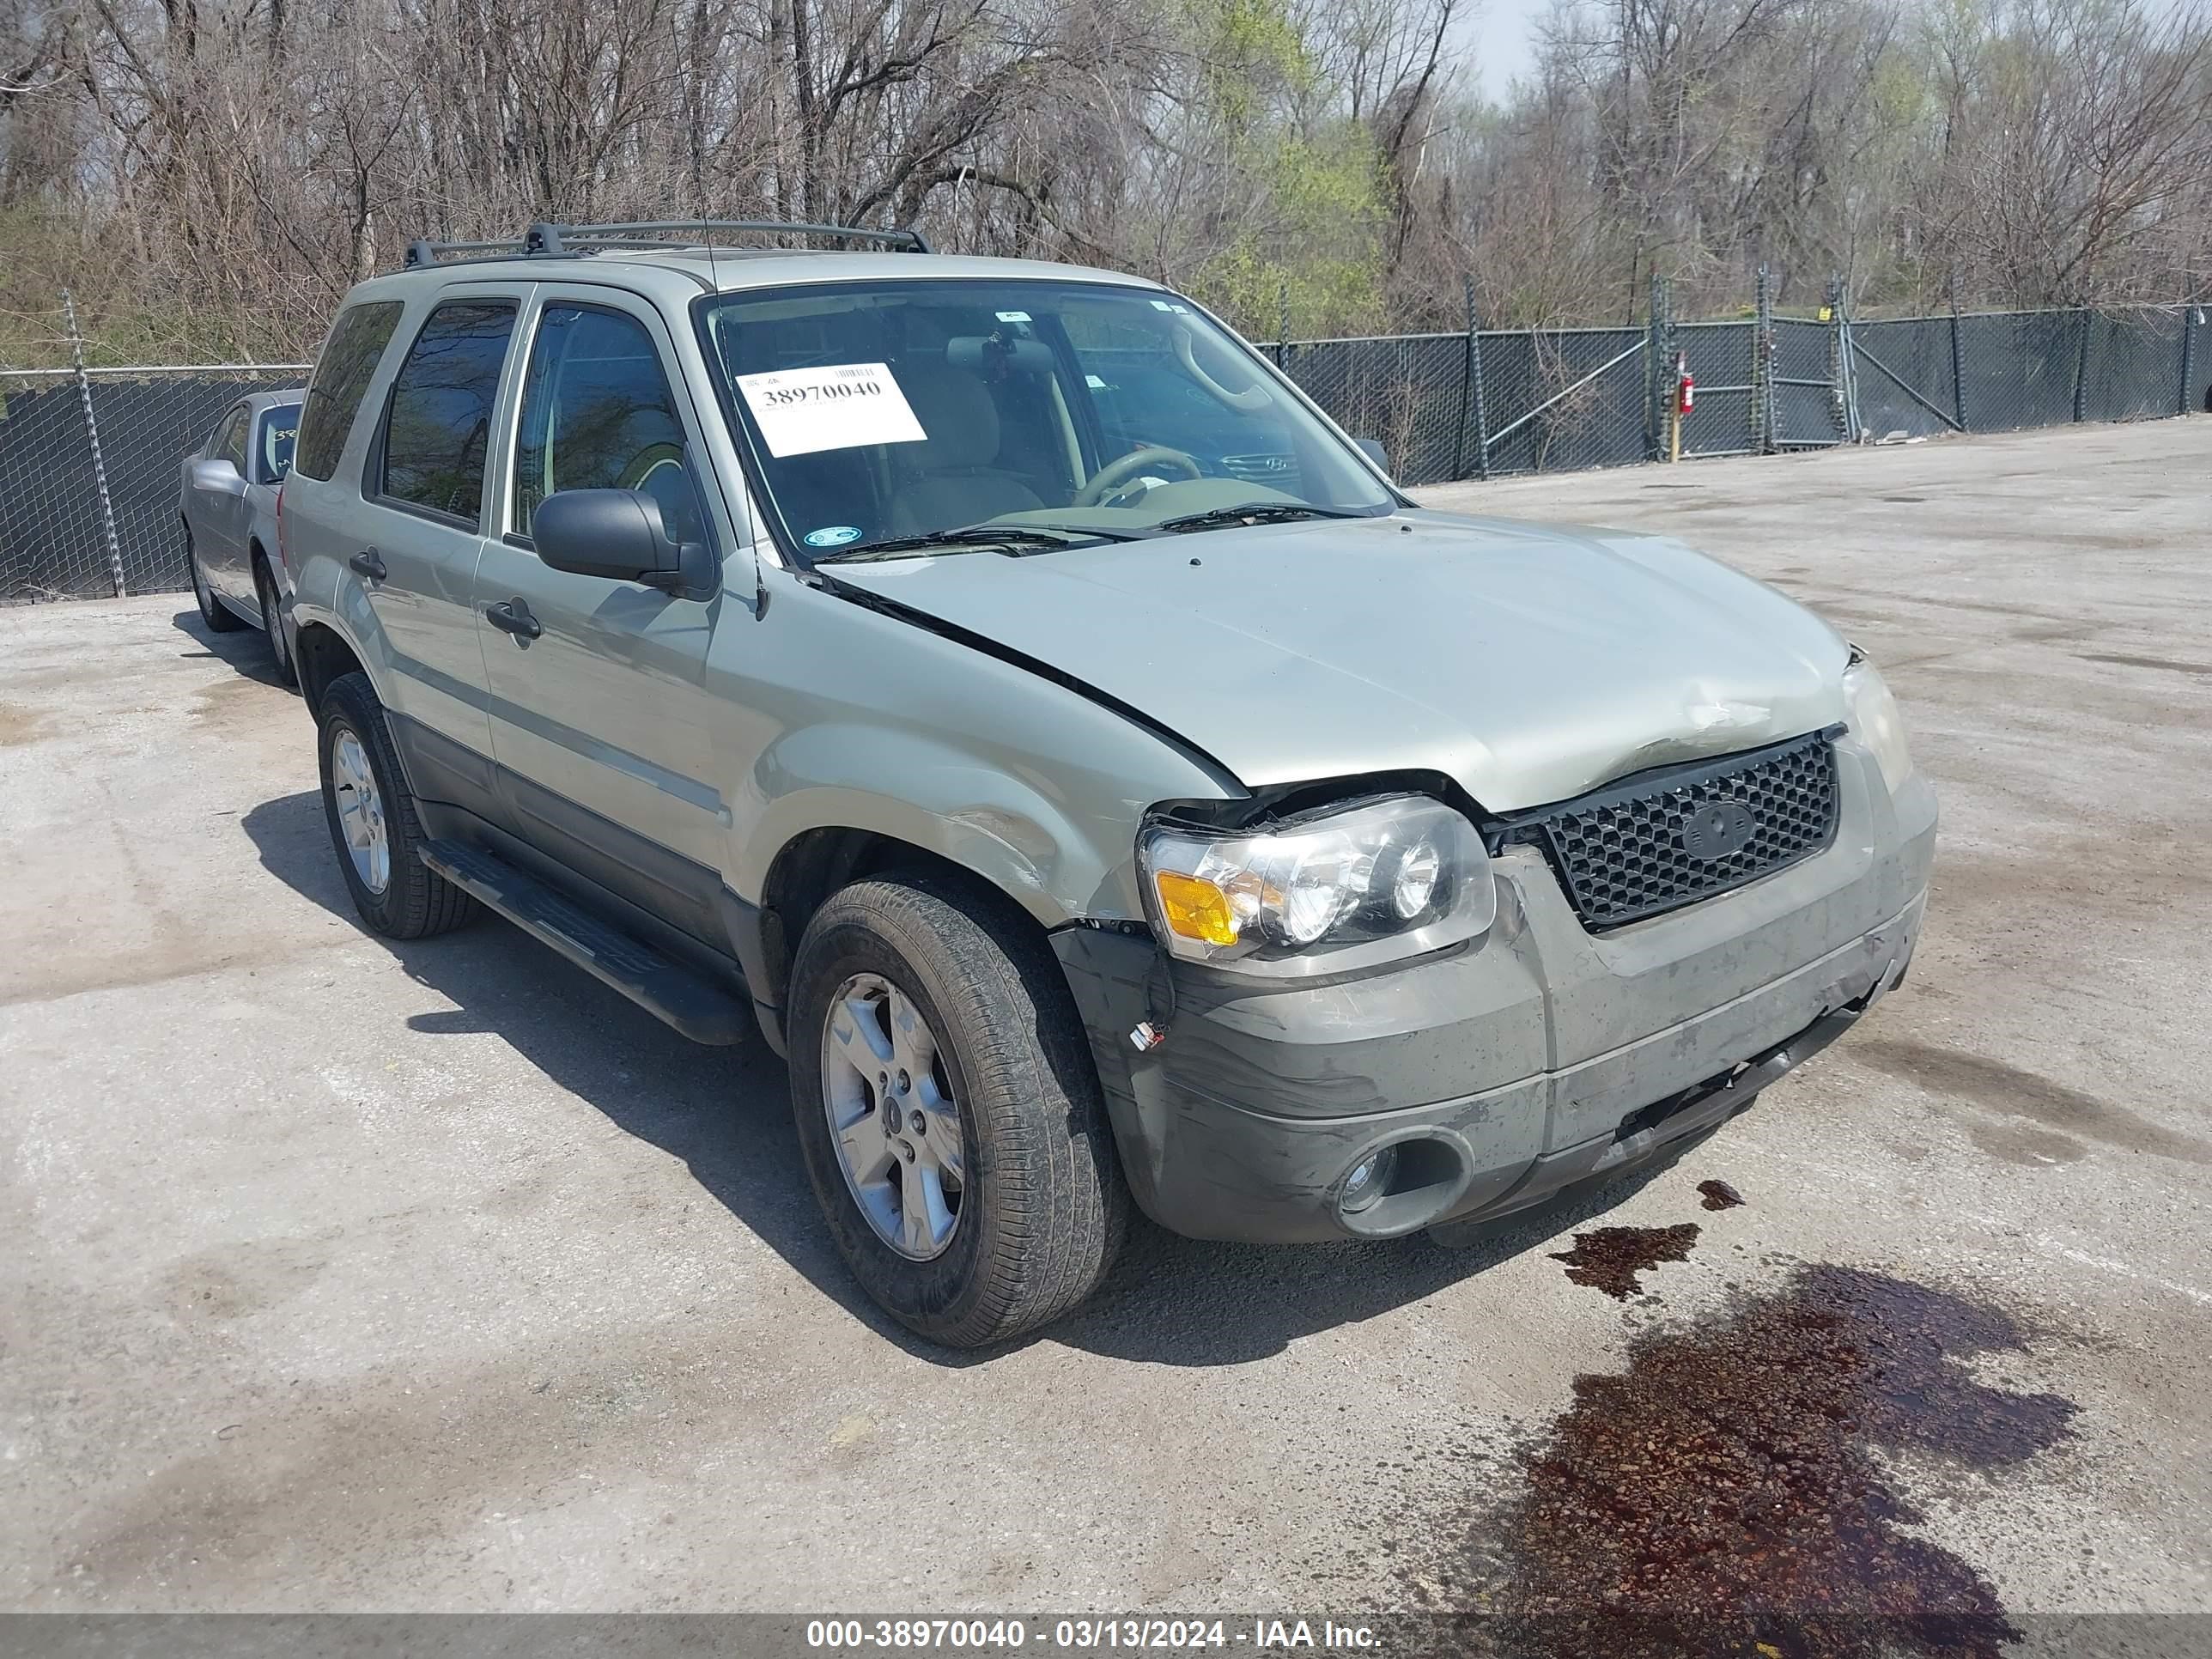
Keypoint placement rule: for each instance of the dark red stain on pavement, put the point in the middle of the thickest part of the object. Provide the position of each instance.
(1718, 1195)
(1718, 1497)
(1609, 1257)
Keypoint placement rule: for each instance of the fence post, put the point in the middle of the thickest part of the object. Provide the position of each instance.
(2081, 362)
(1839, 363)
(1655, 372)
(1465, 382)
(92, 434)
(1762, 368)
(1474, 387)
(1959, 362)
(1282, 320)
(2188, 314)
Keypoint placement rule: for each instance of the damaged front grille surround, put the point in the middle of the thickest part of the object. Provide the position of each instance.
(1663, 839)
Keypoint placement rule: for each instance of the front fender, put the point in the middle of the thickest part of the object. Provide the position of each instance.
(1052, 861)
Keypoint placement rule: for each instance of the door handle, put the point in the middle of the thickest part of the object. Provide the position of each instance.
(369, 563)
(513, 616)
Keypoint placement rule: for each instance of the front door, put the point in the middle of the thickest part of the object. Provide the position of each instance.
(601, 730)
(219, 514)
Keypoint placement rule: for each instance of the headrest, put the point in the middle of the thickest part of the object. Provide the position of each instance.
(956, 410)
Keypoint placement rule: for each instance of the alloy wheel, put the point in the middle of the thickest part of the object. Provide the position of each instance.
(892, 1117)
(361, 810)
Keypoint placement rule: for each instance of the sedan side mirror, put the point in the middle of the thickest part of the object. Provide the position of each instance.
(217, 477)
(619, 534)
(1372, 448)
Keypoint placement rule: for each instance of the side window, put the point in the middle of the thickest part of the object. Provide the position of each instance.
(437, 427)
(230, 442)
(280, 431)
(342, 377)
(597, 414)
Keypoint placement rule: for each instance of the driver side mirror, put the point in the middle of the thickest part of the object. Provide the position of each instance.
(619, 534)
(1372, 448)
(217, 477)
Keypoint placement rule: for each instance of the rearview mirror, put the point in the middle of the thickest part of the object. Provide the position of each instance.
(1372, 448)
(217, 477)
(619, 534)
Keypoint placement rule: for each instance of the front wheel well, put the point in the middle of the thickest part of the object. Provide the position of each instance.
(817, 863)
(324, 656)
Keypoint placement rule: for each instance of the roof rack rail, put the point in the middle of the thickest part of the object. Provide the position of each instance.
(422, 253)
(556, 240)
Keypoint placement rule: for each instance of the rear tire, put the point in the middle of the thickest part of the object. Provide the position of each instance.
(366, 803)
(217, 616)
(1042, 1206)
(272, 623)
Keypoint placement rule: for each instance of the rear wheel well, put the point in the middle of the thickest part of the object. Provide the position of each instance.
(323, 656)
(816, 864)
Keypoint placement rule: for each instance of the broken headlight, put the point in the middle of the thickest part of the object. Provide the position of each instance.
(1405, 869)
(1876, 721)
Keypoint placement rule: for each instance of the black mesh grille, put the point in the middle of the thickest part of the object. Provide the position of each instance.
(1671, 838)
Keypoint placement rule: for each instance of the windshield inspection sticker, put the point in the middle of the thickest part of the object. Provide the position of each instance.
(803, 411)
(832, 535)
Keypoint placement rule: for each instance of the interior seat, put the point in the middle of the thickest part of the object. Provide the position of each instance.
(952, 479)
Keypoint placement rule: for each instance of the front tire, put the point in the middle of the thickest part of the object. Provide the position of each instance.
(949, 1112)
(215, 614)
(272, 623)
(372, 822)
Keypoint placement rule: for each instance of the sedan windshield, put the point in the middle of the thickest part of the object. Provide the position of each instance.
(884, 415)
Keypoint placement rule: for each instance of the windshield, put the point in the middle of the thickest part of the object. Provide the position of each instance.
(280, 428)
(885, 412)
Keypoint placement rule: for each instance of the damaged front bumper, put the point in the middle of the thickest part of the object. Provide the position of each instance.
(1539, 1059)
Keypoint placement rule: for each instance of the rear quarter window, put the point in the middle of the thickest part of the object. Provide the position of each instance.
(280, 432)
(342, 377)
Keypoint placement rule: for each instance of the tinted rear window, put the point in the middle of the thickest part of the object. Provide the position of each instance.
(342, 377)
(437, 427)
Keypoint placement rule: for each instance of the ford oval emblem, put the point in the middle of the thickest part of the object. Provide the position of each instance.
(1714, 831)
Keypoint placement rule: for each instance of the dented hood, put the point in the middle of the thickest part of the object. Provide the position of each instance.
(1529, 662)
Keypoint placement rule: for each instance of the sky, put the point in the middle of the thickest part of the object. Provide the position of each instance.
(1501, 35)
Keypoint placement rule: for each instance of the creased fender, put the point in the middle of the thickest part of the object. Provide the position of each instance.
(951, 802)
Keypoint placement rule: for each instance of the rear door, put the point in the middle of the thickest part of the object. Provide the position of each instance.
(602, 731)
(420, 531)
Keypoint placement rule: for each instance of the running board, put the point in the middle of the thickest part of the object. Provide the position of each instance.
(658, 983)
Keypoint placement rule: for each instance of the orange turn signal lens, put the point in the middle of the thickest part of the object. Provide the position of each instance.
(1195, 909)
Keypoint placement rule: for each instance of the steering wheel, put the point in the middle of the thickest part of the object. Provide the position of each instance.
(1115, 473)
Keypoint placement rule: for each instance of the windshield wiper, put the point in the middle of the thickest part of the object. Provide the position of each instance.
(977, 536)
(967, 536)
(1258, 513)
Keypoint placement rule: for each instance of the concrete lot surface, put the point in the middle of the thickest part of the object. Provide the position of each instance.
(343, 1275)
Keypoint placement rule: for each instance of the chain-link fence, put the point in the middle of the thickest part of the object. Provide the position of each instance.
(91, 468)
(1489, 402)
(89, 457)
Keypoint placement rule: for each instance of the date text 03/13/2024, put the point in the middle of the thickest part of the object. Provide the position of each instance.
(1088, 1635)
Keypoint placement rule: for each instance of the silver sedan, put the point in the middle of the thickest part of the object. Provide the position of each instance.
(227, 500)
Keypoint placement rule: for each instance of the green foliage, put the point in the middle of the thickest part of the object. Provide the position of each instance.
(122, 324)
(1321, 252)
(1312, 204)
(1246, 49)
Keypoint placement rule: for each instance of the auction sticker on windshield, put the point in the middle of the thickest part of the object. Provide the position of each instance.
(802, 410)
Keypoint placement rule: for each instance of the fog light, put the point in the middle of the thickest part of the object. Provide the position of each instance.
(1368, 1178)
